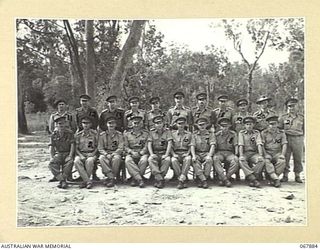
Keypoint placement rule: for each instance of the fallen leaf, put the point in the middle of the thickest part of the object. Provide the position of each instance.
(153, 203)
(290, 197)
(235, 217)
(271, 209)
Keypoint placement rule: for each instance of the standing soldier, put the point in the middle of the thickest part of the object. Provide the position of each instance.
(223, 110)
(112, 111)
(135, 143)
(201, 110)
(226, 151)
(179, 110)
(86, 110)
(275, 145)
(134, 110)
(263, 112)
(251, 152)
(155, 111)
(110, 148)
(62, 111)
(159, 146)
(237, 119)
(86, 151)
(181, 148)
(61, 151)
(203, 151)
(293, 124)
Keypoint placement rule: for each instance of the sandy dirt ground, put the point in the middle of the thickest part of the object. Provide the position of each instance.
(41, 203)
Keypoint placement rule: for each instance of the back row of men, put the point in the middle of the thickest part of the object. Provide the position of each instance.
(158, 139)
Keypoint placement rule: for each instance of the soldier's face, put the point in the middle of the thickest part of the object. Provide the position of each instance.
(202, 126)
(273, 125)
(84, 102)
(111, 125)
(136, 124)
(61, 125)
(179, 100)
(155, 105)
(223, 103)
(134, 105)
(158, 125)
(112, 104)
(202, 102)
(61, 106)
(292, 107)
(249, 126)
(264, 104)
(86, 125)
(180, 125)
(224, 127)
(243, 107)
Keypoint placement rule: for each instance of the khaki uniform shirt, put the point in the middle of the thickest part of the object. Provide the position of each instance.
(182, 142)
(129, 113)
(293, 124)
(204, 141)
(117, 113)
(91, 112)
(86, 142)
(237, 121)
(136, 141)
(149, 118)
(261, 116)
(175, 112)
(228, 113)
(207, 113)
(62, 141)
(111, 143)
(250, 140)
(160, 140)
(273, 142)
(226, 141)
(70, 118)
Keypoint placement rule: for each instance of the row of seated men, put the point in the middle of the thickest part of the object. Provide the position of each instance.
(208, 148)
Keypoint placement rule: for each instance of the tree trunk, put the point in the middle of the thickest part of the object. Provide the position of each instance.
(90, 67)
(75, 52)
(125, 59)
(22, 121)
(249, 90)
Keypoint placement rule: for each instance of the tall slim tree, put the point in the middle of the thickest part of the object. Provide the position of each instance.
(90, 61)
(126, 56)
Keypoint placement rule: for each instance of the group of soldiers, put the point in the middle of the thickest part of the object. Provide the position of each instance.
(212, 143)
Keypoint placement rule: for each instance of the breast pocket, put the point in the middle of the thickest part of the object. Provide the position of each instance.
(114, 144)
(253, 140)
(162, 142)
(186, 141)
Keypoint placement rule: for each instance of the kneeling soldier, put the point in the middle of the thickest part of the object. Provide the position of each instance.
(251, 152)
(181, 146)
(159, 145)
(275, 145)
(110, 149)
(62, 151)
(203, 151)
(86, 151)
(135, 142)
(227, 149)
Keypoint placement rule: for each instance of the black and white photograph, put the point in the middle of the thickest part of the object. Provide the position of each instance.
(161, 122)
